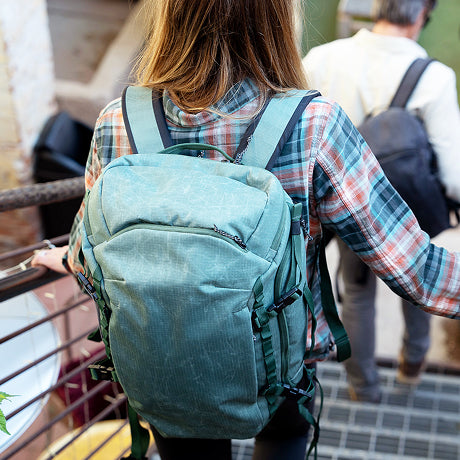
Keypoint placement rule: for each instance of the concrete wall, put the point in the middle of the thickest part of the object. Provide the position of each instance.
(26, 101)
(83, 100)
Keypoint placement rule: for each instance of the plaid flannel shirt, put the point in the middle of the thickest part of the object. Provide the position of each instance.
(328, 167)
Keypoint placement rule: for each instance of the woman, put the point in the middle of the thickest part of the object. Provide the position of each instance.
(216, 62)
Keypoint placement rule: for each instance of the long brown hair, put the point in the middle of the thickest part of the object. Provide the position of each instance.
(198, 49)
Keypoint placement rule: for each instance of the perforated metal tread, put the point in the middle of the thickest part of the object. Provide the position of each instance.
(410, 423)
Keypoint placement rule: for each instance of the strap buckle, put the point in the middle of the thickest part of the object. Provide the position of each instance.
(285, 300)
(87, 286)
(103, 370)
(296, 393)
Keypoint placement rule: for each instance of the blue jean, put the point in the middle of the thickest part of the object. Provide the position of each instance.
(284, 438)
(358, 316)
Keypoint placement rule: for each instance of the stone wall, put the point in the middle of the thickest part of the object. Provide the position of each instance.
(26, 101)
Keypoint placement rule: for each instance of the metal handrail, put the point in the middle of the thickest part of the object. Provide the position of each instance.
(50, 317)
(29, 437)
(44, 193)
(58, 384)
(30, 278)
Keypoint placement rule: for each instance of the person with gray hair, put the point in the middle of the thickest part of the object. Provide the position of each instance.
(403, 12)
(362, 74)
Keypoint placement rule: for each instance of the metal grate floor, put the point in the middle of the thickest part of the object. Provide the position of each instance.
(410, 423)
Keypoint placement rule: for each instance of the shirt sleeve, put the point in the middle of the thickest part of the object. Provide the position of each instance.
(109, 142)
(92, 170)
(354, 199)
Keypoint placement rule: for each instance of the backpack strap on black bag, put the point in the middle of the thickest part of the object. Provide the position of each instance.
(409, 81)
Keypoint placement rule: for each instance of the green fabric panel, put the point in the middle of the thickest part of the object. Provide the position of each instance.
(142, 119)
(271, 127)
(174, 285)
(216, 192)
(180, 310)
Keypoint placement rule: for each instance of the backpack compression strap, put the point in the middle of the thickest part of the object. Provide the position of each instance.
(409, 81)
(273, 129)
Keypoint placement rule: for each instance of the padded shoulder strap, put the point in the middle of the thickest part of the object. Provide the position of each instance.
(275, 127)
(144, 120)
(409, 81)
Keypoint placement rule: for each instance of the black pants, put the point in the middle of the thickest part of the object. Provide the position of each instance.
(284, 438)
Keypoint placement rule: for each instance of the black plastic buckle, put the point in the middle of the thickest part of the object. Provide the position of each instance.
(87, 286)
(295, 393)
(100, 371)
(286, 300)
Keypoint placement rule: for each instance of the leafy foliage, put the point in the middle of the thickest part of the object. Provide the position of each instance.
(2, 416)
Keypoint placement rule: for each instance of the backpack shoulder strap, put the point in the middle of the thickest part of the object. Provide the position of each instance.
(409, 81)
(266, 143)
(144, 120)
(275, 126)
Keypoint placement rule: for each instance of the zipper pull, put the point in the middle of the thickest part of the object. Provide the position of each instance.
(235, 238)
(303, 224)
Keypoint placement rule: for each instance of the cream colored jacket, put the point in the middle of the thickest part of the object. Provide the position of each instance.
(362, 74)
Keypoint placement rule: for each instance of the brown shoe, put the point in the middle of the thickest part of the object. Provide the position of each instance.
(409, 373)
(374, 399)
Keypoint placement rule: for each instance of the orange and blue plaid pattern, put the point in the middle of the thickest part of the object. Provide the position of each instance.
(328, 167)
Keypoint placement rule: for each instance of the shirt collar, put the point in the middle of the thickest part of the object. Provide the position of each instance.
(389, 42)
(238, 96)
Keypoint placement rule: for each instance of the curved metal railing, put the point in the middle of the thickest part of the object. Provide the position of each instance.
(72, 407)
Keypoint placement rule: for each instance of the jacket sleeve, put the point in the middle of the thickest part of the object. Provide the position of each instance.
(109, 142)
(354, 199)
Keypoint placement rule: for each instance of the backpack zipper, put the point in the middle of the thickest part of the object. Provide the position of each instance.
(279, 232)
(233, 240)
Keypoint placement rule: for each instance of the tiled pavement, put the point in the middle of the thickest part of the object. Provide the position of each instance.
(416, 423)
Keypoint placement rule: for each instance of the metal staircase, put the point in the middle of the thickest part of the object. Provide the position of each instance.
(410, 423)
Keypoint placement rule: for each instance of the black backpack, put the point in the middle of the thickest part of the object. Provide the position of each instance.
(400, 142)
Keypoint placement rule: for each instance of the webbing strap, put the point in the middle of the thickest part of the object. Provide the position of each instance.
(299, 250)
(303, 397)
(275, 127)
(261, 319)
(147, 131)
(95, 291)
(308, 296)
(330, 310)
(140, 437)
(143, 130)
(308, 416)
(409, 81)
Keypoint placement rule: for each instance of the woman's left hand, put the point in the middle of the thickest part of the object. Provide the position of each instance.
(51, 258)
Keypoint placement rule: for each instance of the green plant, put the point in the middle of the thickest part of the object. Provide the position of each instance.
(2, 415)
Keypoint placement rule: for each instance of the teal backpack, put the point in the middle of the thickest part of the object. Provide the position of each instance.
(198, 268)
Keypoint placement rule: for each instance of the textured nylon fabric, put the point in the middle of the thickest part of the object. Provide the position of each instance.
(181, 294)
